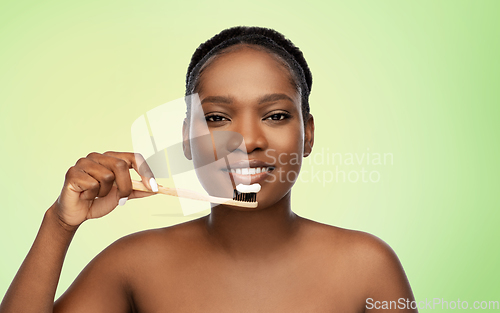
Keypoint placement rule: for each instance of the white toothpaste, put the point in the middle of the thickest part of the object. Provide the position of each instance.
(248, 188)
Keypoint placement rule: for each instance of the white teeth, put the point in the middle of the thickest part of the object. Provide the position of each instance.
(250, 170)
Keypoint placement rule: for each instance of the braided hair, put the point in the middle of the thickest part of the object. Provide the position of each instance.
(260, 37)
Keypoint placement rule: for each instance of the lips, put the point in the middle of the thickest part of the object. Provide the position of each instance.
(249, 164)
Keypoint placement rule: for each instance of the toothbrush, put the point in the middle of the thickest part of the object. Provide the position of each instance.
(246, 193)
(244, 196)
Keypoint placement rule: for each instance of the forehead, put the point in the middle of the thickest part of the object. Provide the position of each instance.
(246, 73)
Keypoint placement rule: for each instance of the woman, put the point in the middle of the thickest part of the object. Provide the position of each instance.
(254, 82)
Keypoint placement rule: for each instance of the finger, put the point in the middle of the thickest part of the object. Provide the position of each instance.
(82, 183)
(103, 175)
(113, 201)
(120, 169)
(139, 164)
(136, 194)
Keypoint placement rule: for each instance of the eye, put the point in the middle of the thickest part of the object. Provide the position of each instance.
(278, 116)
(215, 118)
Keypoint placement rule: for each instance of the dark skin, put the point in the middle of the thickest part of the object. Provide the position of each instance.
(266, 259)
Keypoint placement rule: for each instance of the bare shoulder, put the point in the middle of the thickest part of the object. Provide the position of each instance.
(351, 243)
(370, 261)
(155, 243)
(113, 275)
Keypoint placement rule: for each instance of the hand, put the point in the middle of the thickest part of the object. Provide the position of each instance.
(94, 186)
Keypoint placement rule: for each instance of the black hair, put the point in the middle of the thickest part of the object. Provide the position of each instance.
(266, 38)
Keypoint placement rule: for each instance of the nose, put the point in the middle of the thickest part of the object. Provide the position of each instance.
(254, 137)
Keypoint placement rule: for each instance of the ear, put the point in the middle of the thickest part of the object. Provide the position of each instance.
(186, 145)
(309, 136)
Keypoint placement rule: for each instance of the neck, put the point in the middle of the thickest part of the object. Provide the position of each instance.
(253, 233)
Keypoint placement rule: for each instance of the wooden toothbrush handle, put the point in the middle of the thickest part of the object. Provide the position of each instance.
(186, 193)
(138, 185)
(176, 192)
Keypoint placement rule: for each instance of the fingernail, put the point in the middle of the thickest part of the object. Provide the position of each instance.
(153, 184)
(122, 201)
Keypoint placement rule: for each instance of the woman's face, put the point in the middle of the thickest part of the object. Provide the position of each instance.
(248, 92)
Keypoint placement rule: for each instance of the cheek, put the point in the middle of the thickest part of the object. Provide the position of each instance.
(208, 170)
(287, 147)
(202, 150)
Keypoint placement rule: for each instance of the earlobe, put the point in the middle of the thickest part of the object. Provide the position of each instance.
(309, 136)
(186, 146)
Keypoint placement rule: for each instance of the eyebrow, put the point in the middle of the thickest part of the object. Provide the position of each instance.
(266, 98)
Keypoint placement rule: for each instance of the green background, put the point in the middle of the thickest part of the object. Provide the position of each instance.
(415, 79)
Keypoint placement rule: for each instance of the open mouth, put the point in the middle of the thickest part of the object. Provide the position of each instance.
(249, 175)
(251, 170)
(248, 172)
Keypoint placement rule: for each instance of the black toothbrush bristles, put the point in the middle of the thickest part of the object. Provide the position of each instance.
(244, 196)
